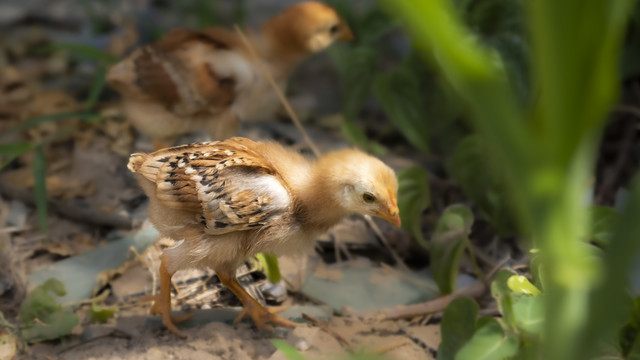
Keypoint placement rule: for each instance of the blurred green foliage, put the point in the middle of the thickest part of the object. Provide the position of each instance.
(538, 111)
(413, 198)
(447, 245)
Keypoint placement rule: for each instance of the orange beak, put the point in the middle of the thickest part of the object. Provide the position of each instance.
(347, 34)
(391, 213)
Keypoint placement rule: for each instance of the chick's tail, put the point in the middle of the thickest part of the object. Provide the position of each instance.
(135, 161)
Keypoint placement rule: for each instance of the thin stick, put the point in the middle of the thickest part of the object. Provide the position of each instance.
(283, 99)
(114, 333)
(629, 109)
(13, 229)
(95, 299)
(322, 325)
(384, 241)
(474, 290)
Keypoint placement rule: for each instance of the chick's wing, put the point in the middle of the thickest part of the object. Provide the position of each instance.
(180, 71)
(225, 184)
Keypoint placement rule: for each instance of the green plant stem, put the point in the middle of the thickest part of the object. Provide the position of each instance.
(40, 185)
(270, 263)
(604, 308)
(474, 263)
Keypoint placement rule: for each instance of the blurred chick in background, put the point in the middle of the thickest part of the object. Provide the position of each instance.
(206, 80)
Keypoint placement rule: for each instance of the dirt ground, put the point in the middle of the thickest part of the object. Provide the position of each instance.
(131, 337)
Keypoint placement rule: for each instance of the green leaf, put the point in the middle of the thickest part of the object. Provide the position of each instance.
(536, 271)
(522, 285)
(356, 136)
(398, 91)
(289, 351)
(84, 51)
(514, 54)
(270, 265)
(482, 182)
(360, 67)
(40, 187)
(490, 342)
(42, 315)
(413, 198)
(602, 224)
(39, 302)
(101, 314)
(501, 292)
(457, 326)
(54, 326)
(528, 313)
(51, 118)
(629, 338)
(372, 26)
(447, 245)
(634, 351)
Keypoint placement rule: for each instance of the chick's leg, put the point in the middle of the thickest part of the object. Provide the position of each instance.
(258, 313)
(162, 303)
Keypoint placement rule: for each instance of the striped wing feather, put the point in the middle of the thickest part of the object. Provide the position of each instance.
(210, 180)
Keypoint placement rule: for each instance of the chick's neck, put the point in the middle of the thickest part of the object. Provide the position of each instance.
(281, 46)
(319, 207)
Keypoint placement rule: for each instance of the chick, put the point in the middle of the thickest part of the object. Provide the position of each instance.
(206, 80)
(225, 201)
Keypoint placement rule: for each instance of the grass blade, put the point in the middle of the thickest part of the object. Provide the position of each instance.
(83, 51)
(97, 86)
(40, 187)
(83, 114)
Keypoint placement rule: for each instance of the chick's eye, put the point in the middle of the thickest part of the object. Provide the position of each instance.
(334, 29)
(368, 197)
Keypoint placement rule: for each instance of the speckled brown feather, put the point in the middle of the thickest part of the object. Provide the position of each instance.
(166, 72)
(203, 180)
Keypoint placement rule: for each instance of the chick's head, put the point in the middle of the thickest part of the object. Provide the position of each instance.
(309, 27)
(364, 183)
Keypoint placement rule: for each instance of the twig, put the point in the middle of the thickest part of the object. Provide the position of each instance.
(322, 325)
(115, 333)
(14, 229)
(629, 109)
(474, 290)
(283, 99)
(95, 299)
(138, 256)
(383, 240)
